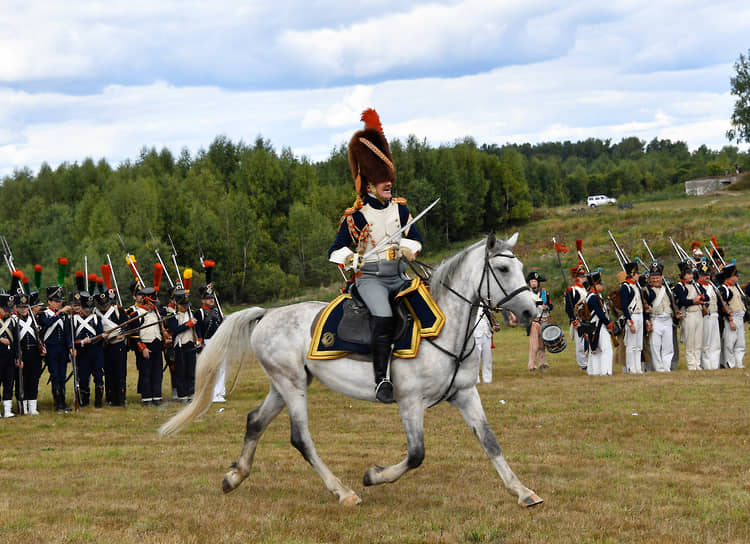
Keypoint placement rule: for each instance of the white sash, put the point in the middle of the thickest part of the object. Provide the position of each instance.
(26, 328)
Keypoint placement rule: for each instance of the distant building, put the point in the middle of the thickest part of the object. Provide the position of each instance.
(702, 186)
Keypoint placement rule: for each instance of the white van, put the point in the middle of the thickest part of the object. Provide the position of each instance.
(599, 200)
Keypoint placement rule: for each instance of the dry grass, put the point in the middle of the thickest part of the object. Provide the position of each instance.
(649, 458)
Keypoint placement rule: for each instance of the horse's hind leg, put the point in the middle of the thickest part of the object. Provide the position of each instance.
(412, 416)
(257, 422)
(470, 406)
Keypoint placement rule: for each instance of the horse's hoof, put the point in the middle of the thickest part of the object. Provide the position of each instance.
(372, 476)
(531, 500)
(350, 500)
(226, 487)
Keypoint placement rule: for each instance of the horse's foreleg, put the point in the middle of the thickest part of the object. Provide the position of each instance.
(302, 440)
(468, 403)
(412, 417)
(257, 422)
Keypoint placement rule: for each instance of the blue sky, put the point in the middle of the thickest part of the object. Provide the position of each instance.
(103, 79)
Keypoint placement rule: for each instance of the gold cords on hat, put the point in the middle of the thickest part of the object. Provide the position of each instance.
(377, 151)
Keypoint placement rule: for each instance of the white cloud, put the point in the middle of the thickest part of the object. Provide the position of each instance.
(105, 79)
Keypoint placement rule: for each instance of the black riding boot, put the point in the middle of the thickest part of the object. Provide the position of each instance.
(382, 331)
(84, 397)
(98, 393)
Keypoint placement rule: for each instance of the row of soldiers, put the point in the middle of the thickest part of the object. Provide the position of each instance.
(91, 331)
(642, 316)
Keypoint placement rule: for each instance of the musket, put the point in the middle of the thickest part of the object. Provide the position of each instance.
(74, 373)
(86, 267)
(182, 285)
(653, 259)
(201, 256)
(158, 256)
(716, 249)
(107, 333)
(7, 254)
(393, 236)
(19, 356)
(174, 262)
(114, 280)
(622, 257)
(131, 264)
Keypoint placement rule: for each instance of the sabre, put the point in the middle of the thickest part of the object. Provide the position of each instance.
(393, 236)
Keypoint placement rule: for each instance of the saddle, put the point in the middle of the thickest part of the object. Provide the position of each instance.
(355, 326)
(343, 326)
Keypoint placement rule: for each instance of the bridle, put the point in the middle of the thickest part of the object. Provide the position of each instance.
(485, 305)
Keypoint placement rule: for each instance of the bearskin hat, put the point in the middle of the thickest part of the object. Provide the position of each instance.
(369, 154)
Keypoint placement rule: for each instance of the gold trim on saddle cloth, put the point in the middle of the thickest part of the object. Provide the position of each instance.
(320, 338)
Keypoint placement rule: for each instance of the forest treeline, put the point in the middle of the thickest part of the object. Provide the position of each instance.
(267, 218)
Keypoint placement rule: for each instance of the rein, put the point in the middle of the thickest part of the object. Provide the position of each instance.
(464, 354)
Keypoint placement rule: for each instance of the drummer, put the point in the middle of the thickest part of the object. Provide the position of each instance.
(537, 356)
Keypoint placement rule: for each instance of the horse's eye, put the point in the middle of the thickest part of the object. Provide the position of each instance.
(503, 269)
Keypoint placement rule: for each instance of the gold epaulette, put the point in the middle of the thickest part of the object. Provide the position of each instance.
(399, 200)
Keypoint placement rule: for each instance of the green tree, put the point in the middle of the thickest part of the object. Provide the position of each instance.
(740, 131)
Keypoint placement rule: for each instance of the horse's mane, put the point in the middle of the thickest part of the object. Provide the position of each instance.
(443, 274)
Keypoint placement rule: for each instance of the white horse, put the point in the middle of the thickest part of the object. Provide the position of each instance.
(484, 274)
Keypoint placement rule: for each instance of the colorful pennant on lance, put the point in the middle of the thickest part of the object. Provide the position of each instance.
(561, 248)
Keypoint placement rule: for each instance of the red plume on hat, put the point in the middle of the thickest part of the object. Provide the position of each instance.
(158, 271)
(107, 275)
(370, 156)
(579, 245)
(16, 282)
(208, 266)
(80, 280)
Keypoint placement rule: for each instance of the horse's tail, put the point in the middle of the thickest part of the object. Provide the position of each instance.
(231, 342)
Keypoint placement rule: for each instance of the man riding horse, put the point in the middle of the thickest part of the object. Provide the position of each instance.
(374, 217)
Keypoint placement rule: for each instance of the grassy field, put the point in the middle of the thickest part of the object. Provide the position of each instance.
(653, 458)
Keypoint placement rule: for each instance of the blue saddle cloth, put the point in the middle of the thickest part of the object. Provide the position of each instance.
(427, 322)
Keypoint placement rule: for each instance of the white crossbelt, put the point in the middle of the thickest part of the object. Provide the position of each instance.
(58, 323)
(85, 324)
(26, 328)
(5, 327)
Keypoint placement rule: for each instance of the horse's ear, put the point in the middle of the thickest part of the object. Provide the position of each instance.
(491, 241)
(512, 240)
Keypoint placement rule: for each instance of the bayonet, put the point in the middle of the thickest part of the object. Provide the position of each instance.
(156, 251)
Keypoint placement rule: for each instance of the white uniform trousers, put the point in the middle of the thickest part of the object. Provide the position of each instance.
(711, 350)
(634, 345)
(220, 385)
(581, 356)
(484, 346)
(734, 341)
(600, 360)
(692, 332)
(662, 342)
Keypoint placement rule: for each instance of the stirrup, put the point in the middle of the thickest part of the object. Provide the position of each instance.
(384, 391)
